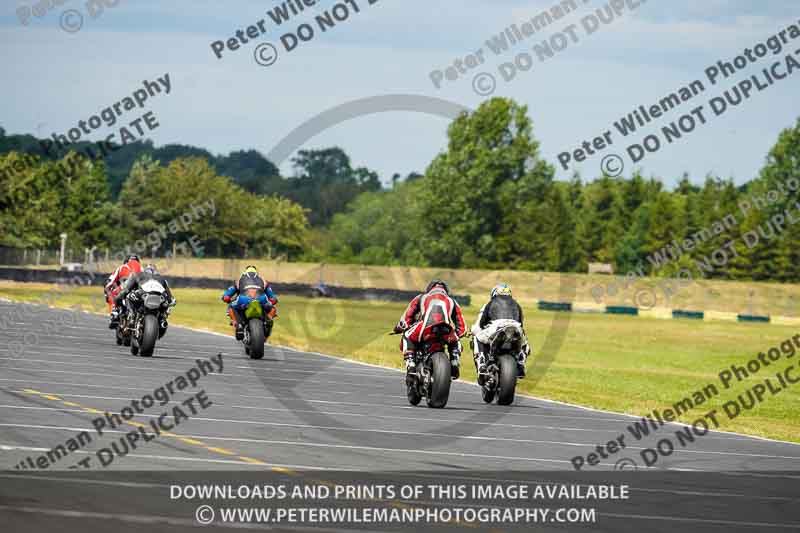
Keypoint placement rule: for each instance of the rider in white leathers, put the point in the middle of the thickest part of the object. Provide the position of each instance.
(501, 311)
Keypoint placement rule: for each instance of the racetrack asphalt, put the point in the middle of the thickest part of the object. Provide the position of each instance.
(300, 412)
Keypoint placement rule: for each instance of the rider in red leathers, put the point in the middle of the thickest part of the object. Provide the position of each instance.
(425, 311)
(131, 266)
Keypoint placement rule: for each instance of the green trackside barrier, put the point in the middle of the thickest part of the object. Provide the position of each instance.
(555, 306)
(752, 318)
(621, 310)
(695, 315)
(463, 301)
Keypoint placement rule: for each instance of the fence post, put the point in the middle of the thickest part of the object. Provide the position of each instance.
(63, 248)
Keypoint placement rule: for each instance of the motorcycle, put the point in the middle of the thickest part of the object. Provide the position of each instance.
(145, 318)
(257, 326)
(505, 341)
(433, 374)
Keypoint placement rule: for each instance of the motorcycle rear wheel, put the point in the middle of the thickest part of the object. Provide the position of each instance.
(441, 377)
(149, 336)
(507, 381)
(256, 338)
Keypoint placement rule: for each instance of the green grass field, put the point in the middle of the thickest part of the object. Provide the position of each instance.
(619, 363)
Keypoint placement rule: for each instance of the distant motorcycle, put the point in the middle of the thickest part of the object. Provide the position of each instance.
(505, 341)
(258, 325)
(145, 318)
(433, 374)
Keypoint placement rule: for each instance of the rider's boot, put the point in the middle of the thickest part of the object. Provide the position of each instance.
(411, 367)
(480, 367)
(521, 358)
(113, 319)
(455, 363)
(238, 329)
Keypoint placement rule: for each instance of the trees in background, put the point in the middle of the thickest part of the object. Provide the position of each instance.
(242, 223)
(325, 183)
(378, 229)
(39, 200)
(490, 201)
(487, 201)
(38, 204)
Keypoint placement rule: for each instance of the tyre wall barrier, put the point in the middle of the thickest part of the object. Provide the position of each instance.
(555, 306)
(27, 275)
(621, 310)
(752, 318)
(695, 315)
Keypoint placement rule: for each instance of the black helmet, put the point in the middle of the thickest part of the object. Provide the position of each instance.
(132, 257)
(439, 282)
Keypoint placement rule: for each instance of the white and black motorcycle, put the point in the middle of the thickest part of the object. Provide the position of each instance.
(145, 318)
(506, 340)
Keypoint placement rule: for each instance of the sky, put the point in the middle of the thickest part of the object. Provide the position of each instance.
(54, 78)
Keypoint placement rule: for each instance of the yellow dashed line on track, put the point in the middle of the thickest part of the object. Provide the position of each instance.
(223, 451)
(214, 449)
(187, 440)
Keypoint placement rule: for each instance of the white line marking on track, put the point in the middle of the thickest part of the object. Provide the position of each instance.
(553, 402)
(402, 451)
(710, 436)
(401, 433)
(7, 448)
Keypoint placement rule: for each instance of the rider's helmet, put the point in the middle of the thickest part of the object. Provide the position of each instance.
(501, 289)
(134, 263)
(438, 283)
(151, 269)
(250, 271)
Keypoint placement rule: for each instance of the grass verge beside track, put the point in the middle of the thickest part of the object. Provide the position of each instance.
(625, 364)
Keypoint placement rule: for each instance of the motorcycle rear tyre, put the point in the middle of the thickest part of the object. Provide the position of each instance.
(507, 381)
(149, 336)
(256, 338)
(441, 377)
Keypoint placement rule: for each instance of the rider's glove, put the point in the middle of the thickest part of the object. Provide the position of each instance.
(226, 299)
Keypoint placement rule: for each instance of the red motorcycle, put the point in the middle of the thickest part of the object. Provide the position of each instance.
(433, 374)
